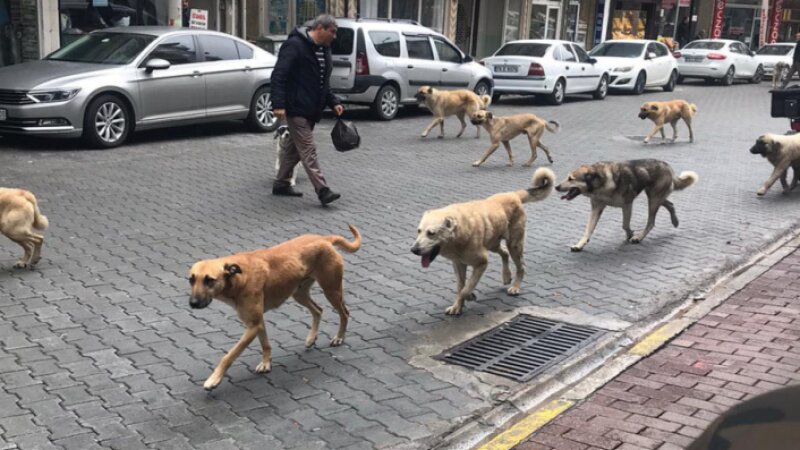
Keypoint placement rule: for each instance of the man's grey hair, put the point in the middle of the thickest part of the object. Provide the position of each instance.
(325, 21)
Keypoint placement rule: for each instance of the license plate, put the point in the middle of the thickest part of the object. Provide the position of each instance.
(694, 59)
(3, 114)
(505, 69)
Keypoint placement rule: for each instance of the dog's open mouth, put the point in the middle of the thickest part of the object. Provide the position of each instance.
(428, 258)
(571, 193)
(643, 115)
(476, 122)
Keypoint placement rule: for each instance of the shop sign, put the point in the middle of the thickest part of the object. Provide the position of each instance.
(198, 18)
(764, 21)
(719, 19)
(775, 23)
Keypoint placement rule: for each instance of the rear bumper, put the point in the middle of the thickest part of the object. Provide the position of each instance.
(523, 85)
(705, 70)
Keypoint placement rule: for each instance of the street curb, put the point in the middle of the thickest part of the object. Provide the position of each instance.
(516, 418)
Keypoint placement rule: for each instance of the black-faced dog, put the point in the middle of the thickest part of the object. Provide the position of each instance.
(782, 152)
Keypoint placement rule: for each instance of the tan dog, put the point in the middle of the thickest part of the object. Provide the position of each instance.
(465, 233)
(504, 129)
(668, 112)
(460, 103)
(19, 215)
(779, 72)
(255, 282)
(783, 152)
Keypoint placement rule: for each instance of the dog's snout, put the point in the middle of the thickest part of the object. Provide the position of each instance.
(560, 188)
(198, 303)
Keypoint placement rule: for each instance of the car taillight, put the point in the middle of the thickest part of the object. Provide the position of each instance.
(481, 63)
(535, 70)
(677, 55)
(795, 124)
(362, 64)
(716, 56)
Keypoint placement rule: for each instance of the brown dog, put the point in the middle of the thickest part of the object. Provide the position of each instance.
(668, 112)
(782, 152)
(19, 215)
(504, 129)
(461, 103)
(255, 282)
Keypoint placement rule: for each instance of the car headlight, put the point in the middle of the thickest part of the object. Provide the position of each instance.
(623, 69)
(53, 96)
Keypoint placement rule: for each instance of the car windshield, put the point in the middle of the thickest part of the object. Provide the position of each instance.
(775, 50)
(103, 48)
(523, 49)
(705, 45)
(619, 49)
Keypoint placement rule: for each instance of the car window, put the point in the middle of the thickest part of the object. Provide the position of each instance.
(582, 55)
(661, 50)
(176, 50)
(386, 43)
(734, 48)
(419, 47)
(218, 48)
(523, 49)
(775, 50)
(566, 53)
(705, 45)
(651, 48)
(343, 44)
(446, 51)
(618, 49)
(103, 48)
(245, 52)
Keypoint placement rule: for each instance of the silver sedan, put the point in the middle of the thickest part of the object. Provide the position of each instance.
(110, 82)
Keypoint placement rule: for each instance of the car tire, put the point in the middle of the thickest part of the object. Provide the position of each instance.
(482, 88)
(673, 80)
(681, 79)
(261, 118)
(496, 98)
(107, 122)
(386, 103)
(727, 80)
(758, 76)
(557, 97)
(602, 89)
(641, 82)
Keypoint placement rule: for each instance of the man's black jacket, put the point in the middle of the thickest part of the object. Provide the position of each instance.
(295, 83)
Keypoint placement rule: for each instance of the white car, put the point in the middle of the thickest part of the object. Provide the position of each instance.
(546, 67)
(770, 54)
(718, 59)
(635, 64)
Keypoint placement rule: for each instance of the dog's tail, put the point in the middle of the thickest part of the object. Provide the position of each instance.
(541, 186)
(684, 180)
(552, 126)
(344, 244)
(486, 100)
(693, 107)
(40, 222)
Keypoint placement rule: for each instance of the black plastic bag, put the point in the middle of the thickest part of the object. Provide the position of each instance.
(345, 136)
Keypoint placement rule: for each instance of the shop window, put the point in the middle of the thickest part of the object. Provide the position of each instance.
(512, 20)
(306, 10)
(432, 14)
(79, 17)
(446, 51)
(419, 47)
(279, 17)
(628, 24)
(405, 9)
(176, 50)
(386, 43)
(217, 48)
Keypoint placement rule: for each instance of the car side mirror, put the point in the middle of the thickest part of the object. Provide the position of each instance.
(466, 59)
(651, 55)
(752, 53)
(156, 64)
(592, 61)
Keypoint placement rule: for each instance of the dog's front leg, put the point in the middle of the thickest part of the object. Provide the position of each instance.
(463, 125)
(460, 270)
(488, 153)
(216, 377)
(466, 292)
(653, 133)
(441, 128)
(776, 174)
(430, 127)
(663, 135)
(597, 211)
(507, 145)
(784, 183)
(266, 351)
(627, 209)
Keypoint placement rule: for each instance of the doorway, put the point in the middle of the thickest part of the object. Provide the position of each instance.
(545, 20)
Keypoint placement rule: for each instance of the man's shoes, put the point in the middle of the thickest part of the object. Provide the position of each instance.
(326, 196)
(286, 191)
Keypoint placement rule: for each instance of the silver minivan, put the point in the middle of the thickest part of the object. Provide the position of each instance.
(383, 63)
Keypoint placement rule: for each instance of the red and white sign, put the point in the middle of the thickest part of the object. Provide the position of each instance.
(718, 20)
(198, 18)
(775, 23)
(762, 31)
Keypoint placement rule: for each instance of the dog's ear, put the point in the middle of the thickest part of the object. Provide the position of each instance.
(489, 115)
(653, 107)
(589, 180)
(231, 270)
(430, 90)
(450, 223)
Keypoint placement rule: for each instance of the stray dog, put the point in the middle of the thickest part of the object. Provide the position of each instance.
(462, 103)
(779, 72)
(503, 129)
(255, 282)
(668, 112)
(618, 184)
(19, 215)
(782, 152)
(465, 233)
(283, 141)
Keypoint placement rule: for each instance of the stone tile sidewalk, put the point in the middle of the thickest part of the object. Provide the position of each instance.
(748, 345)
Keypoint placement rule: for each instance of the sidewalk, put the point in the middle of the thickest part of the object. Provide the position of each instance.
(748, 345)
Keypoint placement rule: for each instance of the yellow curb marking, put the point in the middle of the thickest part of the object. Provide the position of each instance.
(657, 338)
(528, 425)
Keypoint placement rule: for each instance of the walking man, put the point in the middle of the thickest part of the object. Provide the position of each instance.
(795, 63)
(300, 92)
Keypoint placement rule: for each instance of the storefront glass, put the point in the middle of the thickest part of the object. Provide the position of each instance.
(78, 17)
(405, 9)
(628, 24)
(432, 14)
(490, 28)
(545, 18)
(278, 17)
(742, 23)
(306, 10)
(464, 13)
(512, 20)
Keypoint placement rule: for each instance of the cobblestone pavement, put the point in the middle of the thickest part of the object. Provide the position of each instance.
(100, 348)
(747, 346)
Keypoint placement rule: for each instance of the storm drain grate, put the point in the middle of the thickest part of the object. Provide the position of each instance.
(521, 348)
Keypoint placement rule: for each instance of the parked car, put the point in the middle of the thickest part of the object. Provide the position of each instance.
(546, 67)
(383, 63)
(110, 82)
(636, 64)
(770, 54)
(718, 59)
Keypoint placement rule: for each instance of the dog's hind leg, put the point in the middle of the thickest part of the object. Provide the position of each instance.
(460, 116)
(303, 296)
(688, 121)
(28, 247)
(652, 210)
(330, 280)
(546, 150)
(672, 215)
(250, 333)
(477, 273)
(533, 141)
(488, 153)
(627, 209)
(503, 252)
(516, 243)
(460, 270)
(597, 211)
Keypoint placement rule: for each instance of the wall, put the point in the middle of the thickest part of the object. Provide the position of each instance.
(25, 17)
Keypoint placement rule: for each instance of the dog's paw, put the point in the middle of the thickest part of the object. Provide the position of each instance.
(22, 265)
(476, 164)
(212, 382)
(337, 341)
(423, 135)
(264, 367)
(471, 297)
(527, 164)
(636, 239)
(506, 277)
(513, 290)
(576, 248)
(310, 341)
(646, 141)
(441, 136)
(761, 191)
(453, 310)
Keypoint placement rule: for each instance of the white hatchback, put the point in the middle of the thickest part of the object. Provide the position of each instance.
(635, 64)
(546, 67)
(771, 54)
(718, 59)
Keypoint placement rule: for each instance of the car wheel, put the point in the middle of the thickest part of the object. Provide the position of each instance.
(386, 103)
(482, 88)
(496, 97)
(107, 122)
(681, 79)
(557, 97)
(602, 89)
(673, 80)
(758, 76)
(641, 80)
(727, 80)
(261, 118)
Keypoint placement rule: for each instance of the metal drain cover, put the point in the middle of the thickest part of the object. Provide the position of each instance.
(521, 348)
